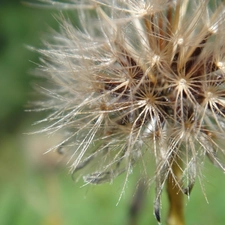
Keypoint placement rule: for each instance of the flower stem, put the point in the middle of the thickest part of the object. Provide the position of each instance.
(175, 195)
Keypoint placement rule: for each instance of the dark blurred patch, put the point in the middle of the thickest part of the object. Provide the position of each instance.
(20, 25)
(3, 42)
(10, 2)
(138, 202)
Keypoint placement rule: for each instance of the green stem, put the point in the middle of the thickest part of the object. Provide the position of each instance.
(175, 195)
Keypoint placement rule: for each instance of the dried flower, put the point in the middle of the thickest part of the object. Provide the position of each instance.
(138, 80)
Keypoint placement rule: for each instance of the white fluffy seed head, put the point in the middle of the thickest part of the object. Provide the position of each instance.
(138, 80)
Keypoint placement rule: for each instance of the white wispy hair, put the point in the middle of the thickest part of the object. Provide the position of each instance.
(138, 80)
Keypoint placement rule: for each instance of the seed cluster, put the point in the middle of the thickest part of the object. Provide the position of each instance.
(140, 79)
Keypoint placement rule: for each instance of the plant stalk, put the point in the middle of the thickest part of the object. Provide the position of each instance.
(175, 195)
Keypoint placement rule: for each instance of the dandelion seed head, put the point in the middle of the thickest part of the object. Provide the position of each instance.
(138, 80)
(182, 83)
(180, 41)
(155, 59)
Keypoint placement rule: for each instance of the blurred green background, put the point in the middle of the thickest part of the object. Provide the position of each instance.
(37, 189)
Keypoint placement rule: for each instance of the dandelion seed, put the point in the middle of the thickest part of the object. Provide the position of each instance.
(139, 80)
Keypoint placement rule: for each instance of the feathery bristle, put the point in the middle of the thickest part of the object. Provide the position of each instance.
(138, 78)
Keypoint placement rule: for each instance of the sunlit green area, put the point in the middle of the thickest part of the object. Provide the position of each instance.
(36, 188)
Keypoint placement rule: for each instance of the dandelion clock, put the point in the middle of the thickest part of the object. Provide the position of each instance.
(134, 83)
